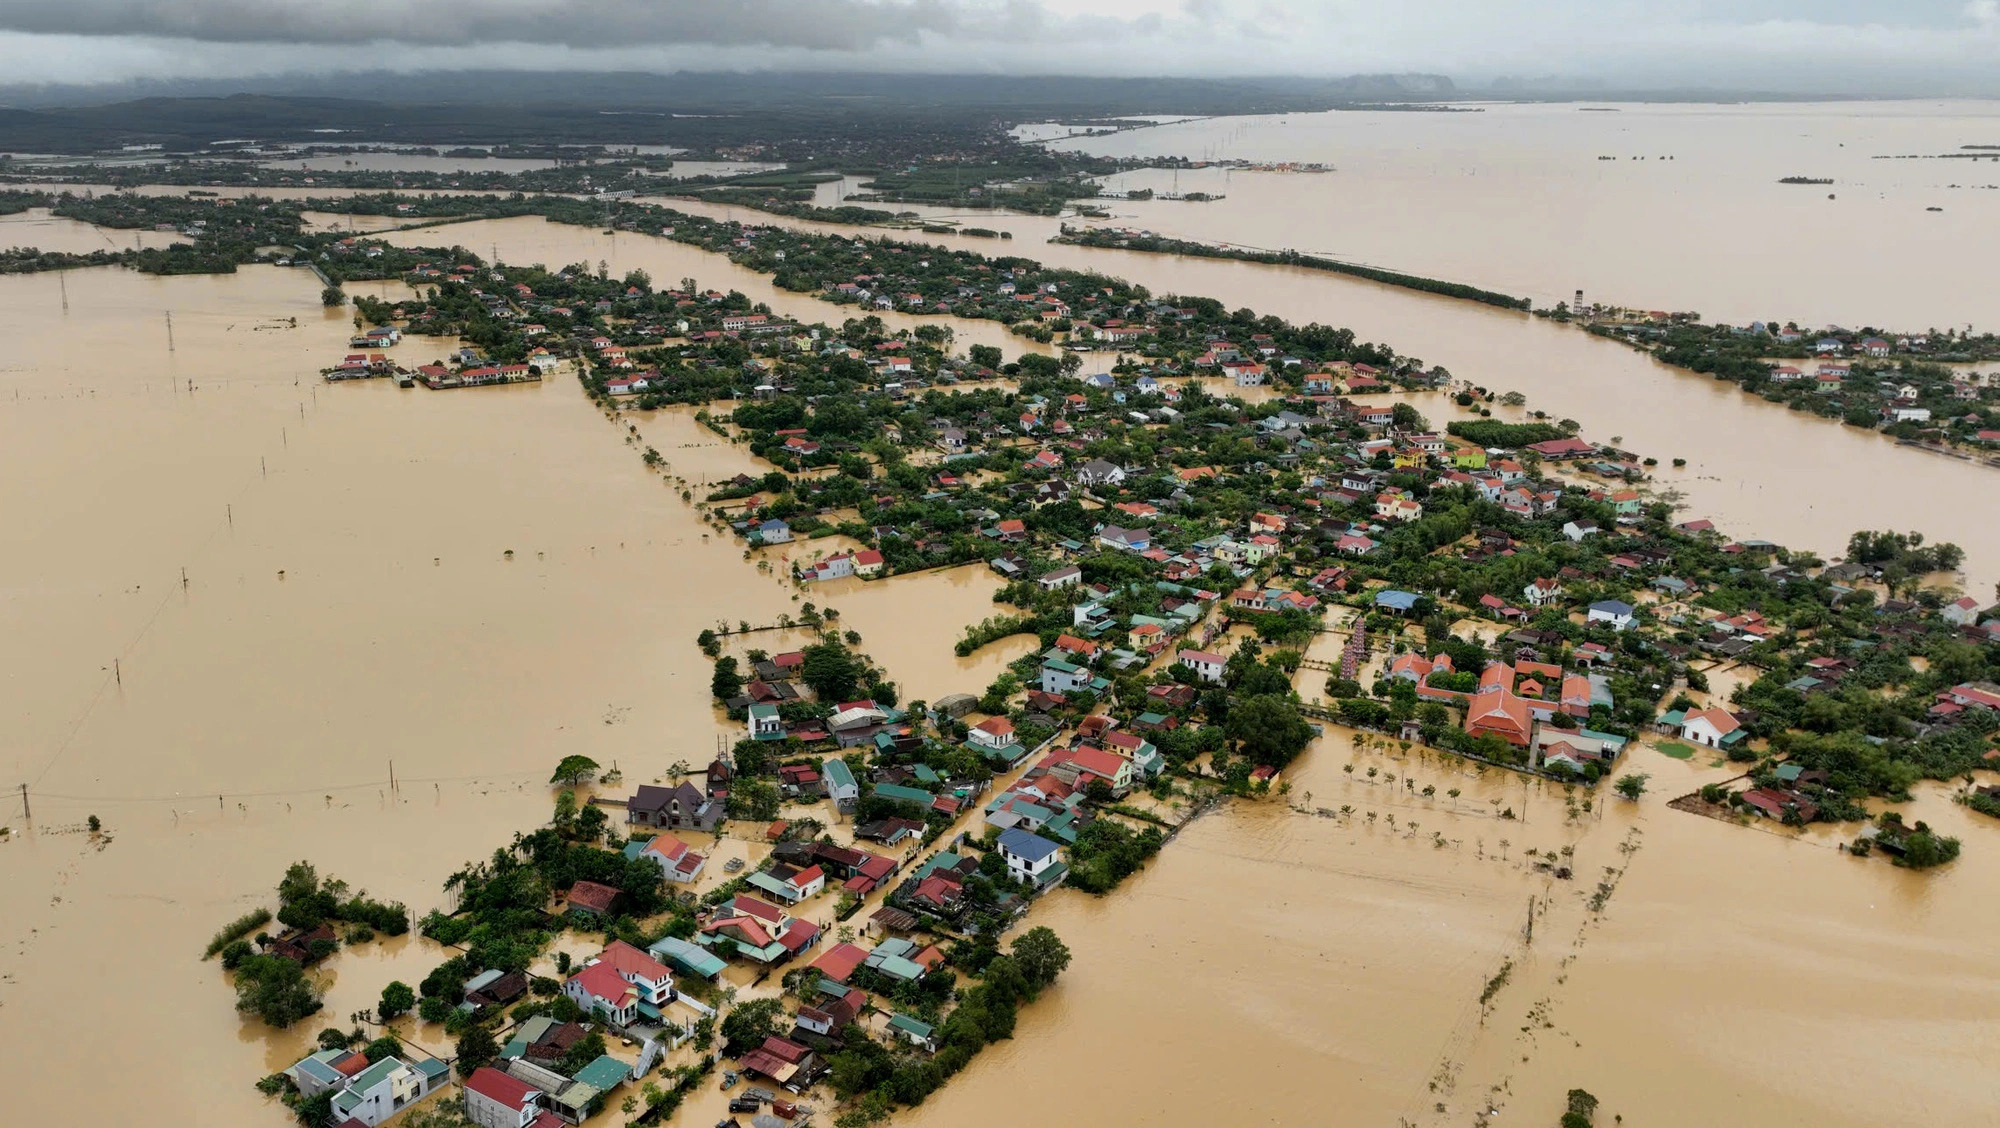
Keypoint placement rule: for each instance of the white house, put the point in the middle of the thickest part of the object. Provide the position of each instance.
(654, 982)
(1711, 726)
(1063, 677)
(1542, 591)
(677, 860)
(1062, 577)
(994, 734)
(765, 724)
(1208, 667)
(841, 786)
(1612, 611)
(1098, 472)
(1577, 531)
(601, 991)
(838, 566)
(495, 1100)
(383, 1090)
(1962, 612)
(1030, 857)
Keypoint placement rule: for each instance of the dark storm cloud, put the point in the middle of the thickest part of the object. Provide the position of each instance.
(821, 25)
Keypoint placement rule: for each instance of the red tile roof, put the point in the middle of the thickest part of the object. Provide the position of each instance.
(631, 961)
(839, 961)
(590, 895)
(497, 1086)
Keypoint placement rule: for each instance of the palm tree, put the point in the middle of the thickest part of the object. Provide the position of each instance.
(1454, 798)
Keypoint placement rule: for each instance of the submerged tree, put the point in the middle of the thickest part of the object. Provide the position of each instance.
(574, 770)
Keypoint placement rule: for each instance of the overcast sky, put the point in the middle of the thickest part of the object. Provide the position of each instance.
(1829, 45)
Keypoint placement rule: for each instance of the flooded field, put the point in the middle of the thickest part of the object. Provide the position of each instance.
(1541, 200)
(408, 162)
(1734, 976)
(43, 231)
(350, 602)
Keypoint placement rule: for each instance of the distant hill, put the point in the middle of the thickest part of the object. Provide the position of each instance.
(461, 108)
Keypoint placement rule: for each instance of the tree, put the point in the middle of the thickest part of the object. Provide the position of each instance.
(476, 1047)
(1268, 729)
(1633, 785)
(315, 1111)
(727, 681)
(1041, 956)
(332, 297)
(388, 1045)
(397, 999)
(985, 356)
(750, 1023)
(831, 670)
(275, 989)
(574, 770)
(582, 1053)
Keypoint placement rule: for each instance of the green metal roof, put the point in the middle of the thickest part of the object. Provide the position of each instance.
(899, 968)
(605, 1074)
(772, 886)
(908, 1025)
(691, 958)
(904, 794)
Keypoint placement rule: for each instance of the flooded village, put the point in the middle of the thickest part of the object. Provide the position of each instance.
(960, 674)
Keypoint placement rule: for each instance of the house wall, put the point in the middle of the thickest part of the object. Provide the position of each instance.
(489, 1113)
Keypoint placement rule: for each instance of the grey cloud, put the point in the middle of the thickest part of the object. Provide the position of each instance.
(824, 25)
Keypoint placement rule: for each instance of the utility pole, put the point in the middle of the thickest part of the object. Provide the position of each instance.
(27, 812)
(392, 775)
(170, 330)
(117, 671)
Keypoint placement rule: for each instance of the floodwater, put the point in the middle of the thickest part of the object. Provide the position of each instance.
(409, 162)
(684, 170)
(349, 604)
(1734, 976)
(1688, 214)
(344, 221)
(37, 228)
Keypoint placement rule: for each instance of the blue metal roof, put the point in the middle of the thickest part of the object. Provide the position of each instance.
(1026, 844)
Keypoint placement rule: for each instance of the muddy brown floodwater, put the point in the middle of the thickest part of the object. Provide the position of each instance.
(1660, 206)
(349, 601)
